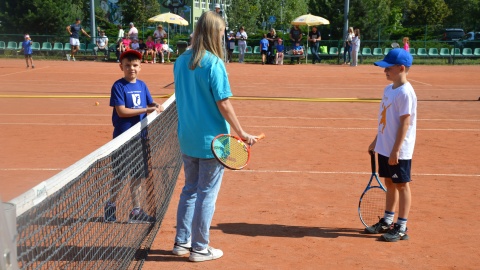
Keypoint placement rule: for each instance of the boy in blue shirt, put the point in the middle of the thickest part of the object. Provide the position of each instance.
(27, 50)
(131, 101)
(264, 48)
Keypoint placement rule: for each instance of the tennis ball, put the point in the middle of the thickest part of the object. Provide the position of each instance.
(97, 103)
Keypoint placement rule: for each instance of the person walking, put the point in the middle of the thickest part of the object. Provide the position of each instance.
(74, 30)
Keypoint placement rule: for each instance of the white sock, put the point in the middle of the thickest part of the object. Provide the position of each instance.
(388, 216)
(403, 223)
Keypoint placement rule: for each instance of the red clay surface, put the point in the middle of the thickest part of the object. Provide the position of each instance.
(295, 205)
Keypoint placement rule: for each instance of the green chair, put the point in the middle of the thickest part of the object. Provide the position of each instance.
(235, 50)
(11, 46)
(433, 52)
(46, 47)
(89, 48)
(456, 52)
(333, 51)
(36, 46)
(82, 48)
(422, 52)
(386, 51)
(467, 52)
(67, 48)
(444, 52)
(57, 47)
(377, 52)
(2, 45)
(367, 52)
(249, 50)
(476, 52)
(256, 50)
(412, 51)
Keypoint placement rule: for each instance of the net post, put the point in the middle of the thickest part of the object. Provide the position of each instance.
(8, 237)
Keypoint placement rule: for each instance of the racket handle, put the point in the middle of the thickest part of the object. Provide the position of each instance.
(261, 136)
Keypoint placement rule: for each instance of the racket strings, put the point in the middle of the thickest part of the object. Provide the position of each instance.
(232, 152)
(372, 206)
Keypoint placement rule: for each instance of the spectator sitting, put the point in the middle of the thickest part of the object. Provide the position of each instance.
(135, 45)
(158, 50)
(298, 49)
(165, 48)
(141, 47)
(280, 52)
(125, 45)
(159, 33)
(102, 45)
(150, 49)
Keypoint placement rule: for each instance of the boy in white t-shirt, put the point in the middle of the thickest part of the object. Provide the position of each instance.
(394, 144)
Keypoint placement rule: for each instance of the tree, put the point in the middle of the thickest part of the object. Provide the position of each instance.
(139, 11)
(39, 17)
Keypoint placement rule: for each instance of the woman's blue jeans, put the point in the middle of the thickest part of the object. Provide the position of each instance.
(203, 178)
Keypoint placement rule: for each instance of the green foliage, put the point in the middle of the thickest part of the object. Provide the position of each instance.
(139, 11)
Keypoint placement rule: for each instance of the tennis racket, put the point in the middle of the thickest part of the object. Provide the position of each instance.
(232, 151)
(372, 202)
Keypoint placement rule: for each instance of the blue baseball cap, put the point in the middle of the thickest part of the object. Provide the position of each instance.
(396, 57)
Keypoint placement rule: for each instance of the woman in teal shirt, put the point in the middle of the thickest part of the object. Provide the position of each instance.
(202, 92)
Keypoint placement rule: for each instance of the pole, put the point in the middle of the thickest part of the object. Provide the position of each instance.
(345, 18)
(92, 21)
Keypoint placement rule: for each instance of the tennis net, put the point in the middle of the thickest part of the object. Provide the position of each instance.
(61, 222)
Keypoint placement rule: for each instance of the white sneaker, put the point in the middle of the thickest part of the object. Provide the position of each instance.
(181, 249)
(68, 57)
(207, 254)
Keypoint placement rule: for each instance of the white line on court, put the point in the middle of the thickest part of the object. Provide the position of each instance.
(340, 128)
(30, 169)
(419, 82)
(26, 70)
(348, 118)
(53, 114)
(362, 173)
(56, 124)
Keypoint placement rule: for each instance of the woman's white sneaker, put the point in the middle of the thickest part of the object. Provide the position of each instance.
(207, 254)
(181, 249)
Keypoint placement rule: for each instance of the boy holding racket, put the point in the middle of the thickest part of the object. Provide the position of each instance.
(394, 144)
(131, 101)
(27, 50)
(200, 72)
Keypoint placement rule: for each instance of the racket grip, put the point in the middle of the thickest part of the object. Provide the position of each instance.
(261, 136)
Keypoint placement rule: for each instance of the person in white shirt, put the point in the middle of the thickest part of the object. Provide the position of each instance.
(133, 32)
(102, 45)
(242, 43)
(394, 143)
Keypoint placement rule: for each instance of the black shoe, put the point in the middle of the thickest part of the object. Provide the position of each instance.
(380, 227)
(395, 234)
(109, 214)
(139, 216)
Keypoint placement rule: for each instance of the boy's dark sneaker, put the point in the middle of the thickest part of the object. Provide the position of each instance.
(139, 216)
(380, 227)
(109, 214)
(395, 234)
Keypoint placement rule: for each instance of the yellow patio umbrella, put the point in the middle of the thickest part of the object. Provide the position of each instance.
(309, 20)
(169, 18)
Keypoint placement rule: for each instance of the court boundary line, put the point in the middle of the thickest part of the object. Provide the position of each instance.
(356, 173)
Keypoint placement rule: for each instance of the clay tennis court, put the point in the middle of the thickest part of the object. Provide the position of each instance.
(295, 205)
